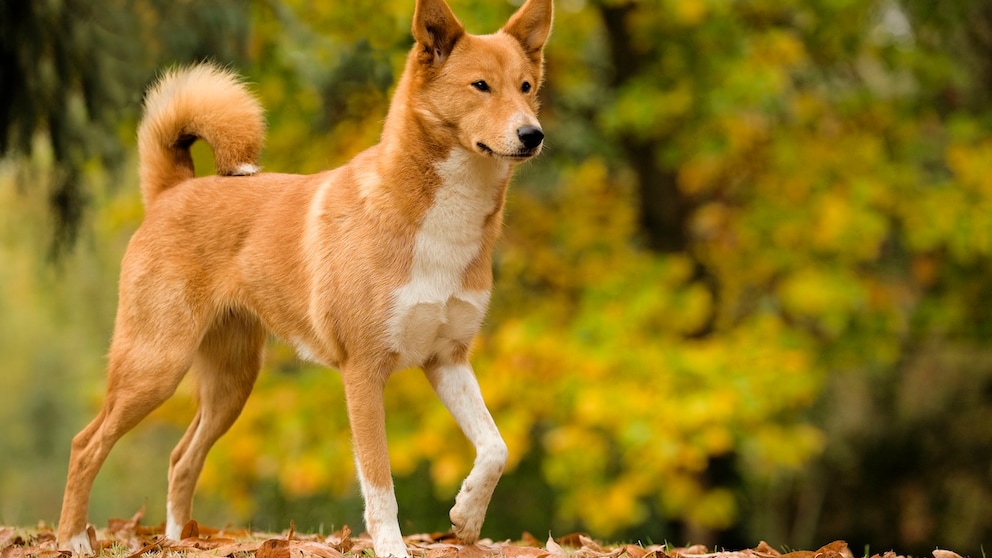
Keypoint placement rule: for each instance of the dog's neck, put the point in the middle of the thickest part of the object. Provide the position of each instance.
(418, 142)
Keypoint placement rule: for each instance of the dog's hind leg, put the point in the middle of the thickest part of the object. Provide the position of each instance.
(364, 388)
(456, 386)
(145, 367)
(226, 366)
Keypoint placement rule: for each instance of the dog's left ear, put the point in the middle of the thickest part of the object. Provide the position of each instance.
(531, 26)
(436, 30)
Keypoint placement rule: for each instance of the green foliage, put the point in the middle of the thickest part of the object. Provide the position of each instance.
(73, 71)
(742, 294)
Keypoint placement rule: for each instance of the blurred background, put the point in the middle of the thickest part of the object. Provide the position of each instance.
(745, 294)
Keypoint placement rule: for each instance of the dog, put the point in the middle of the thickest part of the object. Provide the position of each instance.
(379, 265)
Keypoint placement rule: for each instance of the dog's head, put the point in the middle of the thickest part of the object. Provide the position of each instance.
(482, 88)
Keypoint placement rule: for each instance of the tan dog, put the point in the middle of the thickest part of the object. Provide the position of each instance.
(379, 265)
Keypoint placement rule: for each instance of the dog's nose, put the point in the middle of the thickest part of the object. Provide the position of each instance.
(530, 136)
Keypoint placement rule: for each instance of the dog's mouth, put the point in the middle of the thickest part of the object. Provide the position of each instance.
(518, 155)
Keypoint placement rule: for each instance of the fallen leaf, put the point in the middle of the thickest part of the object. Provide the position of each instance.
(341, 540)
(191, 530)
(292, 530)
(588, 542)
(514, 551)
(836, 549)
(528, 539)
(554, 548)
(938, 553)
(477, 550)
(8, 537)
(694, 550)
(571, 540)
(310, 548)
(436, 550)
(233, 548)
(273, 548)
(91, 535)
(125, 527)
(765, 550)
(144, 549)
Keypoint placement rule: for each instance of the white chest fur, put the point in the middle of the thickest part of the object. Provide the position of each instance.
(432, 311)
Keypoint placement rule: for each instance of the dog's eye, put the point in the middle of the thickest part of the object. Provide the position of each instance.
(481, 85)
(525, 87)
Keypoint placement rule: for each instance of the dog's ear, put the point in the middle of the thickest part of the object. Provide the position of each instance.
(436, 30)
(531, 26)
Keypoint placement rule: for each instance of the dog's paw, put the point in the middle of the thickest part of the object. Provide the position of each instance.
(392, 549)
(466, 520)
(82, 543)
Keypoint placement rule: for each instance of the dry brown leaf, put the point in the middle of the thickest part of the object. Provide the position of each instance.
(938, 553)
(633, 551)
(125, 527)
(477, 550)
(528, 539)
(341, 540)
(589, 552)
(765, 550)
(9, 537)
(571, 540)
(147, 548)
(273, 548)
(836, 549)
(244, 547)
(311, 548)
(440, 550)
(588, 542)
(292, 530)
(693, 550)
(32, 552)
(420, 538)
(514, 551)
(191, 530)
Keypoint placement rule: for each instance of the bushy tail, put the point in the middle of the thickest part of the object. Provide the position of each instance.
(201, 101)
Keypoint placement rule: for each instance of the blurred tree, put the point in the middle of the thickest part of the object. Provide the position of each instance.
(73, 70)
(741, 296)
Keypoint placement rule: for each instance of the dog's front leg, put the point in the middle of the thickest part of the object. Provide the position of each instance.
(459, 390)
(364, 388)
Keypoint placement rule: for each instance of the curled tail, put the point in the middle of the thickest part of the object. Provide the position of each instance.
(205, 102)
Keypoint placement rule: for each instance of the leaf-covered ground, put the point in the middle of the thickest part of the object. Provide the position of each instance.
(127, 538)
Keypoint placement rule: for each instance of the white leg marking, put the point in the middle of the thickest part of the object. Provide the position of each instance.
(459, 390)
(381, 519)
(173, 530)
(80, 543)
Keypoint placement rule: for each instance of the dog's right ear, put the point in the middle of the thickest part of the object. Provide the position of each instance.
(436, 30)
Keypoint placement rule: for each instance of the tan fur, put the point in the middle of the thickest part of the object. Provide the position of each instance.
(340, 264)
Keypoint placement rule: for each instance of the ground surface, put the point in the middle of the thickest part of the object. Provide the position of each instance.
(127, 538)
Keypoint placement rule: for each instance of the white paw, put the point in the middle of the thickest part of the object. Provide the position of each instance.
(396, 549)
(467, 516)
(80, 543)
